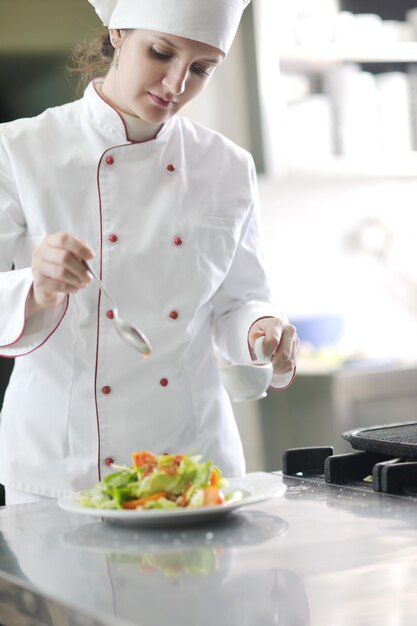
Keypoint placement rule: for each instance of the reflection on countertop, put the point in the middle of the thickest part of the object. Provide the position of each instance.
(191, 574)
(317, 554)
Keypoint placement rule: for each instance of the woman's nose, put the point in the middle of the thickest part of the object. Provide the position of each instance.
(176, 81)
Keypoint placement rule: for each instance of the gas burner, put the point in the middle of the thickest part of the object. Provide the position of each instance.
(384, 473)
(387, 460)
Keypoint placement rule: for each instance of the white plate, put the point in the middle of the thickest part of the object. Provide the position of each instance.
(255, 487)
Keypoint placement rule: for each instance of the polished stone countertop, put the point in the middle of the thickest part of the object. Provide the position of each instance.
(317, 554)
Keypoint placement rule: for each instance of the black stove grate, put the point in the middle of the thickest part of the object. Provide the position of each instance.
(385, 473)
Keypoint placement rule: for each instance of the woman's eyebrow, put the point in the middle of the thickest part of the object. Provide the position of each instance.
(170, 43)
(216, 61)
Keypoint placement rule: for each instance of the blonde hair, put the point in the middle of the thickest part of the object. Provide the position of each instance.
(92, 59)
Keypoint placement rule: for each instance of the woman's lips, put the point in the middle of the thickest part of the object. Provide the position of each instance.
(160, 101)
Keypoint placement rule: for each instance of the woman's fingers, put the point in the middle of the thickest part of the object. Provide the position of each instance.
(75, 246)
(285, 354)
(281, 342)
(58, 268)
(62, 266)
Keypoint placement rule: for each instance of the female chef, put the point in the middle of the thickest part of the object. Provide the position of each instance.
(166, 212)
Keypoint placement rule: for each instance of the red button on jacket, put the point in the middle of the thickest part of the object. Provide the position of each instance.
(109, 461)
(178, 241)
(112, 238)
(171, 167)
(163, 382)
(109, 160)
(173, 315)
(106, 390)
(110, 314)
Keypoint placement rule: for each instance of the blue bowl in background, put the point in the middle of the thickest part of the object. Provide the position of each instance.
(321, 331)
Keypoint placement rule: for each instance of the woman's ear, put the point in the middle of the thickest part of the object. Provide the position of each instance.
(116, 37)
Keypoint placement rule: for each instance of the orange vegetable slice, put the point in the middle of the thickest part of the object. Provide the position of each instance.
(213, 496)
(139, 502)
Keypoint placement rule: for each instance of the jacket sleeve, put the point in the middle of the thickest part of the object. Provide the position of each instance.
(245, 294)
(17, 336)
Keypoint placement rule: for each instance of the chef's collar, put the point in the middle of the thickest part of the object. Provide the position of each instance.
(110, 120)
(137, 130)
(213, 22)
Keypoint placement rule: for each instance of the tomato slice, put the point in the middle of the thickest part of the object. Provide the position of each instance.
(144, 459)
(172, 469)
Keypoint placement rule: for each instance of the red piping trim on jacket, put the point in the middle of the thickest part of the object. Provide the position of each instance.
(14, 356)
(129, 143)
(100, 95)
(99, 296)
(123, 145)
(286, 386)
(265, 317)
(98, 319)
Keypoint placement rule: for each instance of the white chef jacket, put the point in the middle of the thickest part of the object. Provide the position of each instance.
(174, 225)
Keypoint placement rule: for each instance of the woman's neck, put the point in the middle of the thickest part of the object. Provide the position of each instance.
(137, 130)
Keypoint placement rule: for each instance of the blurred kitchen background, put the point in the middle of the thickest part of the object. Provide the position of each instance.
(324, 95)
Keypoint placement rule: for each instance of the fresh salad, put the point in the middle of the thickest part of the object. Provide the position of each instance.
(166, 481)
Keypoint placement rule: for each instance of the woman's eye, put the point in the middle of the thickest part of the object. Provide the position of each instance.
(160, 55)
(198, 69)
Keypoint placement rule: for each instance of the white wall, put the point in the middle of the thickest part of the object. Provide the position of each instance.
(346, 244)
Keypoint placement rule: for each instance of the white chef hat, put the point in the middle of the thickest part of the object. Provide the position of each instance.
(214, 22)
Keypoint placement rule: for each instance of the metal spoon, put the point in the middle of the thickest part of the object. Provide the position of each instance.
(129, 333)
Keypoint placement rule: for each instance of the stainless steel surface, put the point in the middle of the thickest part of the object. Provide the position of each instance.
(318, 555)
(134, 337)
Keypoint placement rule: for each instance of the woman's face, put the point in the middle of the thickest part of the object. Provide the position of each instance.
(157, 73)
